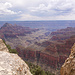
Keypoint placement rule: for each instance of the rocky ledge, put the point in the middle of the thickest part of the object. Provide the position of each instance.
(11, 64)
(68, 67)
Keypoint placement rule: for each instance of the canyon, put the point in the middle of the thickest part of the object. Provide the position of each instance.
(23, 36)
(39, 46)
(49, 58)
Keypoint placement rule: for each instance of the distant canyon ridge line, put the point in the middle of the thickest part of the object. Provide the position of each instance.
(53, 24)
(40, 46)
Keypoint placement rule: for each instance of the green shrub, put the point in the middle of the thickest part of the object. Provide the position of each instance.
(36, 70)
(11, 50)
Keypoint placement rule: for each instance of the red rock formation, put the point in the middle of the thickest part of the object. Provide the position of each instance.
(52, 56)
(49, 60)
(63, 34)
(9, 30)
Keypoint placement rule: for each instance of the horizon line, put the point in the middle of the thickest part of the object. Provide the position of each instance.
(45, 20)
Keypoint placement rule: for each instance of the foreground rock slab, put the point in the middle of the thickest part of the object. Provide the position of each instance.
(11, 64)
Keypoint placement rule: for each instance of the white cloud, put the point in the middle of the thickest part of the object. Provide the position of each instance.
(23, 3)
(54, 8)
(24, 17)
(38, 9)
(4, 9)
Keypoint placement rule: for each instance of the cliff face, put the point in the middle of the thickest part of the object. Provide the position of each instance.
(68, 67)
(11, 64)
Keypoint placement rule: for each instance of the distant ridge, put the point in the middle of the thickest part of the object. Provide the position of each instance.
(58, 24)
(7, 24)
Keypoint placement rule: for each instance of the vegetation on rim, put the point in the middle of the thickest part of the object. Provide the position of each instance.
(36, 70)
(11, 50)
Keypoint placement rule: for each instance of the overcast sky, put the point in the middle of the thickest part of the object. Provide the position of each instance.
(23, 10)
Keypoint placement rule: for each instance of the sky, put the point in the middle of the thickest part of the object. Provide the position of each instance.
(30, 10)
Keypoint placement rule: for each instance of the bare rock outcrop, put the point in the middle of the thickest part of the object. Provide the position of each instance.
(11, 64)
(68, 67)
(3, 46)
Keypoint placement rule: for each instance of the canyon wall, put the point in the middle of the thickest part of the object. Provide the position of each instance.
(49, 58)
